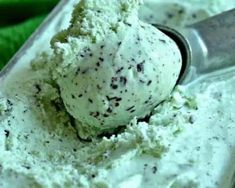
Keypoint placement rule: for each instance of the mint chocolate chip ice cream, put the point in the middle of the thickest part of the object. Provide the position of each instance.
(188, 141)
(112, 67)
(178, 13)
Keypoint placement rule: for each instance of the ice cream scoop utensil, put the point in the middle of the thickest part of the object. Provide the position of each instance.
(206, 46)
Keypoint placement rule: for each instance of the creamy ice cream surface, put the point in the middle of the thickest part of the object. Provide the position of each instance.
(188, 140)
(179, 13)
(112, 67)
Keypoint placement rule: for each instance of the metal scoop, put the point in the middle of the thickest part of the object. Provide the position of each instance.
(205, 46)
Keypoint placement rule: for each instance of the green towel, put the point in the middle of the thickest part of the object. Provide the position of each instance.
(13, 11)
(11, 38)
(18, 20)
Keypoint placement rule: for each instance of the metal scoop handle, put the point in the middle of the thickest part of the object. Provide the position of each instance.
(206, 46)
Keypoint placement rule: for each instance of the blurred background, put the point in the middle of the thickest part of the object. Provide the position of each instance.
(18, 20)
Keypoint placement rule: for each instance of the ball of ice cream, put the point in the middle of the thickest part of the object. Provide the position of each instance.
(111, 67)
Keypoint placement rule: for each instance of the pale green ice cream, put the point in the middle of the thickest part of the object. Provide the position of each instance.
(188, 141)
(112, 67)
(178, 13)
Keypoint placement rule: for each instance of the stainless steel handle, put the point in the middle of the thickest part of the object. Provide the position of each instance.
(211, 43)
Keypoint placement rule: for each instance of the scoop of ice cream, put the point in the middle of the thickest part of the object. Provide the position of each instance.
(111, 67)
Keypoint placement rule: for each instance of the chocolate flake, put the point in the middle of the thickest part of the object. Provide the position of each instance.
(130, 108)
(149, 82)
(162, 40)
(95, 114)
(9, 102)
(132, 111)
(119, 70)
(98, 64)
(105, 115)
(118, 99)
(123, 80)
(117, 104)
(154, 170)
(191, 119)
(113, 86)
(101, 59)
(113, 98)
(140, 67)
(27, 167)
(109, 110)
(7, 133)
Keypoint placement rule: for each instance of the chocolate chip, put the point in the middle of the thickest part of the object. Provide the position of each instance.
(123, 80)
(27, 167)
(119, 70)
(154, 170)
(95, 114)
(140, 67)
(117, 104)
(113, 86)
(109, 110)
(162, 40)
(101, 59)
(98, 64)
(149, 82)
(7, 133)
(130, 108)
(132, 111)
